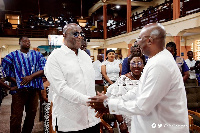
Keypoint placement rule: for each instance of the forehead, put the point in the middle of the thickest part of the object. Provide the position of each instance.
(136, 59)
(25, 38)
(111, 53)
(135, 48)
(74, 28)
(170, 48)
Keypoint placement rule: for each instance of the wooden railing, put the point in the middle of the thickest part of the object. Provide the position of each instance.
(161, 13)
(189, 7)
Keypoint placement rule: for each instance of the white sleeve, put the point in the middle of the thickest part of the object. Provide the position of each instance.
(155, 87)
(59, 85)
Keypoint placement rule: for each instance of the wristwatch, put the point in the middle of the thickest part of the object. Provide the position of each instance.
(105, 103)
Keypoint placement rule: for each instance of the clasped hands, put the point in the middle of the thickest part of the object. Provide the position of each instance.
(96, 103)
(26, 80)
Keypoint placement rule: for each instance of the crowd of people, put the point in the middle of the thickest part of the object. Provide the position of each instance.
(144, 89)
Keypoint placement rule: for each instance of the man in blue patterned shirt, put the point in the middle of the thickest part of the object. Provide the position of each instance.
(24, 69)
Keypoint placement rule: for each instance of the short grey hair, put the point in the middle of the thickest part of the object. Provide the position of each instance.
(68, 26)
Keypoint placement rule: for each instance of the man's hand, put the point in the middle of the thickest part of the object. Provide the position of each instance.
(98, 114)
(13, 88)
(26, 80)
(123, 128)
(96, 102)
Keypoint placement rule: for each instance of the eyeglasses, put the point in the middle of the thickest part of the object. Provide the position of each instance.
(135, 64)
(76, 34)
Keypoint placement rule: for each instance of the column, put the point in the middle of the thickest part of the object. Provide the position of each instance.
(176, 15)
(177, 40)
(129, 49)
(105, 49)
(105, 21)
(129, 23)
(176, 9)
(128, 16)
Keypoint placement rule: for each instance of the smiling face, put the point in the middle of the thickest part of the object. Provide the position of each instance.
(111, 56)
(73, 36)
(142, 41)
(136, 65)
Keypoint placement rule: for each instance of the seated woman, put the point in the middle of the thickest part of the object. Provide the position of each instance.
(124, 84)
(111, 68)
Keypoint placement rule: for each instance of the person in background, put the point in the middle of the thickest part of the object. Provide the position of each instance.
(70, 73)
(120, 58)
(24, 69)
(84, 46)
(46, 104)
(97, 67)
(191, 64)
(123, 84)
(159, 104)
(111, 68)
(135, 51)
(116, 57)
(171, 47)
(7, 25)
(3, 85)
(197, 71)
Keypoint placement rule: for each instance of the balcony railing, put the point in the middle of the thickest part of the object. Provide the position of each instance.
(161, 13)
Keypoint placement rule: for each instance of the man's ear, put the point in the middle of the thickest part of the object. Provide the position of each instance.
(64, 35)
(150, 41)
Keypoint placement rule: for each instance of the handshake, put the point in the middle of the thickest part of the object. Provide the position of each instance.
(98, 103)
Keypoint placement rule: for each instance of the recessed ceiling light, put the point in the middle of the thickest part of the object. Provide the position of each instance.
(117, 6)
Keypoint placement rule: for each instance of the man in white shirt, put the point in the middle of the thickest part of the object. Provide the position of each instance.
(159, 104)
(191, 63)
(97, 67)
(71, 75)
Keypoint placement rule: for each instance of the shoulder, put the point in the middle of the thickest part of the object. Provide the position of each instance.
(128, 75)
(84, 55)
(104, 62)
(125, 59)
(117, 62)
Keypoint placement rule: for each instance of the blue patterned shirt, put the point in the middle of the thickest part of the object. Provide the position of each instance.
(18, 64)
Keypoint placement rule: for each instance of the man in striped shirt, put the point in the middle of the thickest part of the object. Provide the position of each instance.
(24, 69)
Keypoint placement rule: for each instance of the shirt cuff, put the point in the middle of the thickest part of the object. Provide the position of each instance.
(85, 100)
(112, 104)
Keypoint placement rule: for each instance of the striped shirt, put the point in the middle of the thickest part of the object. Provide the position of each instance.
(18, 64)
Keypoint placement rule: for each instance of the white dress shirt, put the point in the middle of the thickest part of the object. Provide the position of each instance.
(112, 69)
(97, 69)
(159, 104)
(191, 64)
(72, 82)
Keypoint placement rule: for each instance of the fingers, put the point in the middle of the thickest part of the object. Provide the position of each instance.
(100, 94)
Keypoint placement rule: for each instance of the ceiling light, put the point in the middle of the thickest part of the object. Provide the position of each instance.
(117, 6)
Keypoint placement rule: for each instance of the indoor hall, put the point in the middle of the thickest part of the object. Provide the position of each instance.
(123, 19)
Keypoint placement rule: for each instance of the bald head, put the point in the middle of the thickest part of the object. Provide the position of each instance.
(69, 27)
(152, 39)
(73, 36)
(100, 57)
(157, 32)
